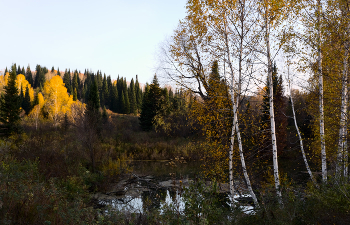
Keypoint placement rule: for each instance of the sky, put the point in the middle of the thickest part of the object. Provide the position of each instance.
(117, 37)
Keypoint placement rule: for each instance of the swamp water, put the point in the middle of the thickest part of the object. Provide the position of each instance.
(156, 185)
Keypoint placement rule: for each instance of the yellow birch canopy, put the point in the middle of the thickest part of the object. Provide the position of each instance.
(57, 100)
(22, 82)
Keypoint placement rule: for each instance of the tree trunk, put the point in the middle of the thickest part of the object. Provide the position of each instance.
(343, 114)
(342, 144)
(320, 78)
(244, 168)
(272, 115)
(236, 125)
(299, 135)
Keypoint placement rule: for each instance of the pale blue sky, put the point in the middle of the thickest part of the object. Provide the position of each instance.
(117, 37)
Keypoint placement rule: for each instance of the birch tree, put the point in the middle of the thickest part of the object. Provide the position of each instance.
(297, 128)
(310, 18)
(225, 28)
(57, 100)
(344, 30)
(271, 16)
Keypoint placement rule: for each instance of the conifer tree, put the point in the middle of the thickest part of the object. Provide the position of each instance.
(10, 107)
(6, 71)
(40, 76)
(132, 98)
(29, 76)
(19, 70)
(93, 104)
(26, 104)
(110, 93)
(126, 103)
(279, 109)
(67, 81)
(150, 105)
(114, 99)
(138, 93)
(122, 102)
(58, 71)
(75, 86)
(105, 91)
(75, 95)
(21, 96)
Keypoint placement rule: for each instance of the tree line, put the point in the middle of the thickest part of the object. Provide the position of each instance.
(50, 94)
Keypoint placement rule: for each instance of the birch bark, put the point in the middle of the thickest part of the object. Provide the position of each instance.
(235, 124)
(299, 135)
(342, 156)
(272, 114)
(320, 84)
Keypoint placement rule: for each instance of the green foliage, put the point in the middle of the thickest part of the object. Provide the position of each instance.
(138, 94)
(10, 107)
(40, 76)
(279, 102)
(126, 106)
(151, 105)
(26, 198)
(93, 104)
(29, 76)
(67, 81)
(132, 98)
(202, 204)
(26, 104)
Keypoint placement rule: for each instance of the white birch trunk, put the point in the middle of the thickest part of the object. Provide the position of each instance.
(231, 184)
(236, 125)
(244, 168)
(272, 115)
(299, 135)
(232, 189)
(343, 114)
(320, 78)
(346, 156)
(342, 156)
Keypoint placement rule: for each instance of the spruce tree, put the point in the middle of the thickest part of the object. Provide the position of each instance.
(26, 104)
(127, 103)
(105, 91)
(29, 76)
(122, 103)
(21, 96)
(6, 71)
(94, 99)
(75, 95)
(10, 107)
(110, 93)
(138, 93)
(150, 105)
(19, 70)
(67, 81)
(75, 86)
(114, 99)
(37, 72)
(279, 109)
(40, 77)
(132, 98)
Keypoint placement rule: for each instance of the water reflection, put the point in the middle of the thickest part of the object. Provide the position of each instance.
(155, 192)
(162, 199)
